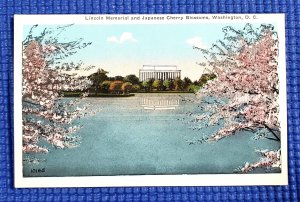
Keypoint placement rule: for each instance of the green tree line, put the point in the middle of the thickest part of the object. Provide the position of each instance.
(131, 84)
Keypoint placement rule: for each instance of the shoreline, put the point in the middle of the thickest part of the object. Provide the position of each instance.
(78, 94)
(99, 95)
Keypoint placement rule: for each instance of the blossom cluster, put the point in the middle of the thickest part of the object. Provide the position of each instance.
(45, 114)
(270, 159)
(250, 87)
(244, 94)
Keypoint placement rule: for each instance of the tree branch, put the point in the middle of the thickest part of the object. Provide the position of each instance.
(273, 133)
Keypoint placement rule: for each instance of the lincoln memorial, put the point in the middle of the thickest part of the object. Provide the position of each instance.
(160, 72)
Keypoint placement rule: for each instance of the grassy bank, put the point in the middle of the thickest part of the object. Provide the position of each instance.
(165, 92)
(78, 94)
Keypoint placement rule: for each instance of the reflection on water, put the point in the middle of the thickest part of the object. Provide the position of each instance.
(156, 103)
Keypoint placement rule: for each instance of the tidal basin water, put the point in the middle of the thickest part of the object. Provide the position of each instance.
(147, 134)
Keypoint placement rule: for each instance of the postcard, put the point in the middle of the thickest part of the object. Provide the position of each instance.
(150, 100)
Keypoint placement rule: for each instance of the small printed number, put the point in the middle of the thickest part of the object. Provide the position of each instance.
(39, 170)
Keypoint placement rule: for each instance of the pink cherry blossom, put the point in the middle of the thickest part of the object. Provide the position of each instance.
(246, 85)
(45, 114)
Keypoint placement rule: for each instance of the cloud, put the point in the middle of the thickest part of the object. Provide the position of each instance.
(195, 41)
(125, 37)
(112, 39)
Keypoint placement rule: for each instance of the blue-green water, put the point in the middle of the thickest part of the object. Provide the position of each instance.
(147, 134)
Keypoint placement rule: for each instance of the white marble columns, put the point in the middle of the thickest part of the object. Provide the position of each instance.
(161, 75)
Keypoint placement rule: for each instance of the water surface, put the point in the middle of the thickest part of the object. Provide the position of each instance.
(147, 134)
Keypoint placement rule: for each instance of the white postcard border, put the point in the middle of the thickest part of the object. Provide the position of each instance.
(145, 180)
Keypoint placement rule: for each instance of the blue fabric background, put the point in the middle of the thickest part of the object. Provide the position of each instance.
(254, 193)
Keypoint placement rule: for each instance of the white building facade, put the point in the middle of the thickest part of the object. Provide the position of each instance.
(160, 72)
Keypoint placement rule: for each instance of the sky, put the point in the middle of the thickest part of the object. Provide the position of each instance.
(124, 49)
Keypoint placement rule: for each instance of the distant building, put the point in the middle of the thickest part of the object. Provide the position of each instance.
(161, 72)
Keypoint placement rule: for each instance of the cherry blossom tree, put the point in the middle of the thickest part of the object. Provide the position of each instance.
(269, 159)
(244, 94)
(45, 75)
